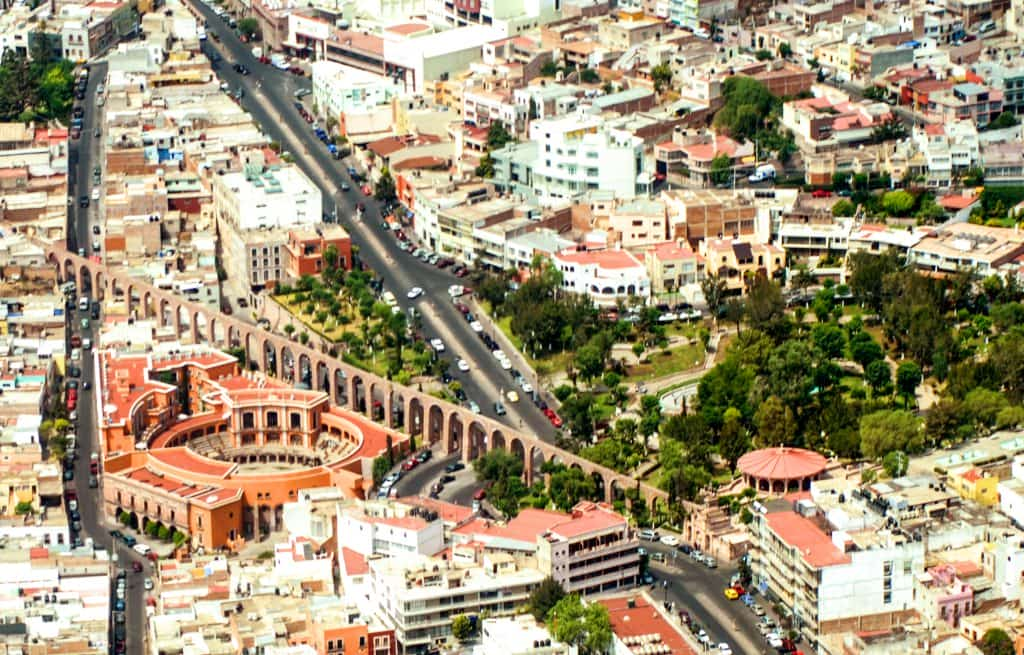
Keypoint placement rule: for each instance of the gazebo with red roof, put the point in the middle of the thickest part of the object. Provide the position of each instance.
(781, 469)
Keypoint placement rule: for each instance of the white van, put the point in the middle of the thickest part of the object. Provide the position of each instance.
(762, 173)
(83, 304)
(987, 26)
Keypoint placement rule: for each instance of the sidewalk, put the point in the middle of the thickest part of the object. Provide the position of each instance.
(519, 361)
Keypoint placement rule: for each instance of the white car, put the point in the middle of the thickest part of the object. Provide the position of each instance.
(724, 649)
(141, 549)
(148, 584)
(670, 540)
(499, 355)
(96, 194)
(505, 364)
(526, 387)
(463, 365)
(437, 345)
(476, 327)
(456, 290)
(414, 293)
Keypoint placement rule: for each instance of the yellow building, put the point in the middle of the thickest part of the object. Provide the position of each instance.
(975, 484)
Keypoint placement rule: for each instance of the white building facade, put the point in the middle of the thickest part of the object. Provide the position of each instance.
(607, 276)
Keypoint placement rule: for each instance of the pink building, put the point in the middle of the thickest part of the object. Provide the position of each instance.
(950, 598)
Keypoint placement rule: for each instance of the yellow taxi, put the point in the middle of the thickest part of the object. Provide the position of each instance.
(731, 593)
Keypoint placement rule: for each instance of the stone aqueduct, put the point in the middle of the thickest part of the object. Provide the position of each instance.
(404, 408)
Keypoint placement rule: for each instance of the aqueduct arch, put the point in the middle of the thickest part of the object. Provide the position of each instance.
(353, 389)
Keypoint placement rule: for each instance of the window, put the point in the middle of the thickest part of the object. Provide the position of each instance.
(296, 420)
(248, 421)
(271, 419)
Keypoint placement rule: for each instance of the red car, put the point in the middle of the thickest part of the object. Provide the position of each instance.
(366, 190)
(76, 341)
(72, 403)
(555, 420)
(821, 193)
(462, 308)
(410, 464)
(94, 467)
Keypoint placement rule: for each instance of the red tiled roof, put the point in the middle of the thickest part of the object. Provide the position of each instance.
(449, 512)
(600, 258)
(672, 250)
(957, 202)
(386, 146)
(781, 463)
(586, 518)
(643, 619)
(524, 527)
(814, 545)
(407, 28)
(707, 151)
(972, 475)
(186, 460)
(353, 562)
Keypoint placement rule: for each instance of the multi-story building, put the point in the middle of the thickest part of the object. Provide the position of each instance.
(387, 528)
(1008, 79)
(254, 210)
(418, 596)
(629, 28)
(338, 89)
(825, 122)
(672, 266)
(482, 107)
(308, 249)
(967, 101)
(508, 17)
(640, 222)
(949, 149)
(980, 248)
(607, 276)
(834, 583)
(577, 154)
(737, 261)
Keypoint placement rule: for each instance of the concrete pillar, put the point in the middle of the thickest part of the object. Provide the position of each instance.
(369, 388)
(446, 430)
(389, 397)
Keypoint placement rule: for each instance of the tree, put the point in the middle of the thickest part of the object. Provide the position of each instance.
(462, 627)
(727, 385)
(589, 76)
(908, 376)
(982, 407)
(498, 136)
(549, 69)
(763, 55)
(867, 276)
(766, 307)
(895, 463)
(733, 439)
(775, 421)
(1004, 120)
(864, 349)
(503, 471)
(878, 375)
(830, 340)
(24, 507)
(381, 466)
(995, 641)
(250, 27)
(884, 431)
(569, 486)
(714, 288)
(785, 51)
(385, 188)
(589, 362)
(588, 627)
(662, 76)
(721, 169)
(747, 104)
(163, 533)
(898, 203)
(545, 596)
(889, 130)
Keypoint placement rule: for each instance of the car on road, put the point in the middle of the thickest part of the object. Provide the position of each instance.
(757, 609)
(83, 201)
(724, 649)
(453, 467)
(456, 290)
(731, 593)
(658, 557)
(148, 584)
(93, 482)
(95, 194)
(512, 396)
(437, 345)
(476, 327)
(462, 364)
(499, 409)
(526, 387)
(446, 478)
(345, 187)
(711, 562)
(141, 549)
(414, 293)
(647, 534)
(670, 540)
(473, 407)
(821, 193)
(137, 567)
(410, 464)
(95, 229)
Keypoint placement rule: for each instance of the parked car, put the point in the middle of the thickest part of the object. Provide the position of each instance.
(454, 466)
(647, 534)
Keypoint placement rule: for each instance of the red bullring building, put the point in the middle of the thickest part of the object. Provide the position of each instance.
(191, 443)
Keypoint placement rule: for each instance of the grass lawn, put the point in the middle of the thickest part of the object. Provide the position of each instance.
(662, 363)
